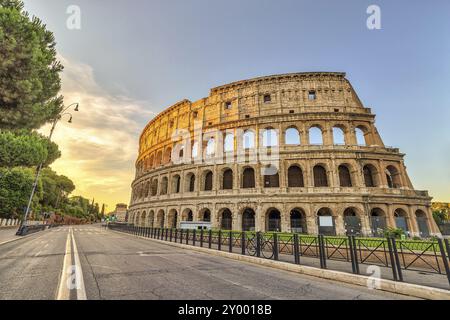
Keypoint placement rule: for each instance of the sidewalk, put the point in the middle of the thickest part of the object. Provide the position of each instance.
(8, 233)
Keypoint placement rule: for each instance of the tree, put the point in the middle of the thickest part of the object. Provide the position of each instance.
(29, 70)
(22, 148)
(15, 188)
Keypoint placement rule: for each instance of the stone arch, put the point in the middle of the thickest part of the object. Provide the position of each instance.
(228, 142)
(326, 221)
(361, 135)
(248, 178)
(187, 215)
(150, 219)
(315, 134)
(248, 219)
(160, 219)
(273, 220)
(378, 222)
(205, 215)
(176, 183)
(422, 223)
(207, 180)
(371, 178)
(352, 222)
(143, 222)
(248, 139)
(190, 182)
(227, 179)
(295, 176)
(393, 177)
(271, 177)
(292, 136)
(172, 218)
(168, 155)
(298, 221)
(154, 187)
(158, 160)
(401, 219)
(338, 135)
(269, 137)
(225, 219)
(345, 176)
(320, 176)
(164, 185)
(137, 220)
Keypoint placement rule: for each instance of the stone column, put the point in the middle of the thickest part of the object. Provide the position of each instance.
(311, 224)
(339, 222)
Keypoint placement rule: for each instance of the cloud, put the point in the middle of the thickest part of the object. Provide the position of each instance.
(100, 146)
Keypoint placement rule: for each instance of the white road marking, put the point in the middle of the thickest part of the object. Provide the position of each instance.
(81, 290)
(38, 253)
(63, 292)
(71, 273)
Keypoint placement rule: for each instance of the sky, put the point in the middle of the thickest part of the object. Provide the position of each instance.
(130, 60)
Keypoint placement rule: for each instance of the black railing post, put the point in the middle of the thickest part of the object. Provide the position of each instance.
(230, 243)
(243, 243)
(322, 251)
(275, 246)
(171, 234)
(187, 236)
(176, 236)
(352, 253)
(355, 248)
(397, 260)
(167, 234)
(258, 244)
(296, 249)
(201, 237)
(219, 245)
(391, 256)
(447, 246)
(210, 239)
(444, 259)
(194, 235)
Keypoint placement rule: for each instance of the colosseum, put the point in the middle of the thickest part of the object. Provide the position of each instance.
(291, 153)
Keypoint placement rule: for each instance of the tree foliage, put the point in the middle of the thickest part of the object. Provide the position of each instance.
(29, 70)
(28, 149)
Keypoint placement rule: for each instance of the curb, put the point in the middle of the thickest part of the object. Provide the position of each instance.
(408, 289)
(20, 237)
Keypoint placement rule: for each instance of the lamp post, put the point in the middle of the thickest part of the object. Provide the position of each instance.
(38, 172)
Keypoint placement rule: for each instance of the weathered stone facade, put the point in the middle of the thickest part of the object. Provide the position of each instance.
(268, 122)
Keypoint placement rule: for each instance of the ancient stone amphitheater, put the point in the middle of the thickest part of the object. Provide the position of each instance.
(292, 153)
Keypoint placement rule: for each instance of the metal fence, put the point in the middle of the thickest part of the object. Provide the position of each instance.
(396, 256)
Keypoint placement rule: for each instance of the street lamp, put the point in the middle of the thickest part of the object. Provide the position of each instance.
(38, 172)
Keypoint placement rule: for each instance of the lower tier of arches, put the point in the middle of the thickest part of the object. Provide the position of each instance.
(310, 218)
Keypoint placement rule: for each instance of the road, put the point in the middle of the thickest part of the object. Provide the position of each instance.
(110, 265)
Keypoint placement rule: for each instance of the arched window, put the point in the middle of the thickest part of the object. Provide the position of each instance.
(164, 183)
(248, 220)
(227, 183)
(226, 220)
(273, 220)
(360, 137)
(345, 178)
(292, 136)
(393, 177)
(248, 139)
(369, 172)
(271, 177)
(176, 184)
(208, 181)
(154, 187)
(195, 149)
(168, 155)
(270, 137)
(298, 221)
(315, 136)
(401, 219)
(206, 215)
(191, 182)
(248, 178)
(181, 153)
(228, 144)
(210, 147)
(320, 176)
(338, 136)
(295, 177)
(158, 159)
